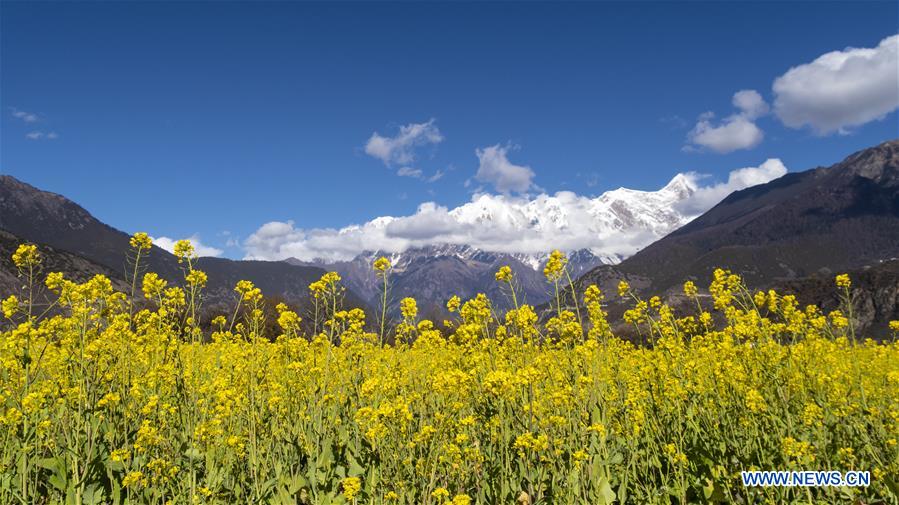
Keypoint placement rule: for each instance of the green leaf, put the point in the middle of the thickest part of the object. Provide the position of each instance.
(93, 494)
(48, 463)
(355, 468)
(298, 482)
(606, 495)
(326, 457)
(892, 485)
(57, 482)
(622, 489)
(708, 489)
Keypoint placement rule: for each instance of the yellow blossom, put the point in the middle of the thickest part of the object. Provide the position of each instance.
(26, 256)
(555, 266)
(196, 278)
(184, 250)
(381, 265)
(408, 308)
(351, 487)
(504, 274)
(843, 281)
(690, 288)
(10, 306)
(133, 479)
(140, 241)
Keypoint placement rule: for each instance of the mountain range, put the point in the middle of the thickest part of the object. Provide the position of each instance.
(434, 273)
(793, 233)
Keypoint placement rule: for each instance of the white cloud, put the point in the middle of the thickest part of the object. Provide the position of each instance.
(417, 173)
(750, 103)
(616, 223)
(39, 135)
(735, 132)
(28, 117)
(705, 197)
(495, 169)
(400, 149)
(202, 250)
(409, 172)
(841, 89)
(834, 93)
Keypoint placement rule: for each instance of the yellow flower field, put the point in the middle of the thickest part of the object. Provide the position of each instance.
(126, 398)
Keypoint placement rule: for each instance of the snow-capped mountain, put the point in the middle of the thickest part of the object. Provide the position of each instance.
(433, 273)
(612, 212)
(613, 225)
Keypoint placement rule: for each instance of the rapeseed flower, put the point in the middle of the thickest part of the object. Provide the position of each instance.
(381, 265)
(140, 241)
(10, 306)
(26, 256)
(555, 266)
(843, 281)
(535, 400)
(351, 488)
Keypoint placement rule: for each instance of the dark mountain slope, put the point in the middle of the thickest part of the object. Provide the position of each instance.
(47, 218)
(792, 234)
(53, 260)
(875, 295)
(433, 274)
(823, 220)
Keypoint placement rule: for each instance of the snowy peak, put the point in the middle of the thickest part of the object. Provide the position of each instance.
(611, 226)
(495, 230)
(438, 252)
(680, 186)
(616, 224)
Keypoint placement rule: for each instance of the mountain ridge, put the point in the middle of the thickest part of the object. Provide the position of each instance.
(841, 216)
(50, 219)
(443, 270)
(793, 233)
(433, 274)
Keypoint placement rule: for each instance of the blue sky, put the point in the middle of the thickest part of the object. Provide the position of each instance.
(201, 118)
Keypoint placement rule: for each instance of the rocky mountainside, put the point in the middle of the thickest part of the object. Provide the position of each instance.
(433, 274)
(792, 231)
(53, 260)
(84, 244)
(875, 295)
